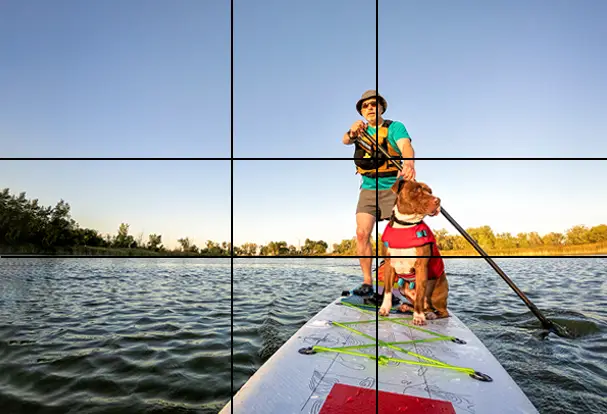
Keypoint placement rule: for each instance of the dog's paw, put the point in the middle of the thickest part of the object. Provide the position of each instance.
(405, 308)
(431, 316)
(419, 318)
(384, 310)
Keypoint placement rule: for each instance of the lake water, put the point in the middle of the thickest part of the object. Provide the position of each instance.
(153, 335)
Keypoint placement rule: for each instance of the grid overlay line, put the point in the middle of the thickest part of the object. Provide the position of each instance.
(232, 206)
(376, 207)
(296, 158)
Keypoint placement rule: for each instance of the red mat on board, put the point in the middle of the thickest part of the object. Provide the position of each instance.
(349, 399)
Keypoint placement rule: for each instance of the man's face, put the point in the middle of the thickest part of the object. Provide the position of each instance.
(369, 109)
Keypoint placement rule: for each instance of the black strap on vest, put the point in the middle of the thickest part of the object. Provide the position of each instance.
(371, 172)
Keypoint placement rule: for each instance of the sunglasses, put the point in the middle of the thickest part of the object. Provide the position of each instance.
(372, 104)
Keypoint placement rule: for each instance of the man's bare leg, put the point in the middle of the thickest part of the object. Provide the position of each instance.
(364, 227)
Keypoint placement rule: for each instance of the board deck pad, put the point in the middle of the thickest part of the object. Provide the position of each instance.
(346, 399)
(291, 381)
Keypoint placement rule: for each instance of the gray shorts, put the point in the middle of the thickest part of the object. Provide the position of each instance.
(367, 204)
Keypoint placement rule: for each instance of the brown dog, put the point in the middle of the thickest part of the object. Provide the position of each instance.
(407, 235)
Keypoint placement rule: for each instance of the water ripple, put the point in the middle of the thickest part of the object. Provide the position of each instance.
(154, 335)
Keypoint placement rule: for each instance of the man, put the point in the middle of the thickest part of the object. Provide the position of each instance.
(395, 139)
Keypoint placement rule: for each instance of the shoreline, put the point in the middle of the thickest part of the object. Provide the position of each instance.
(79, 251)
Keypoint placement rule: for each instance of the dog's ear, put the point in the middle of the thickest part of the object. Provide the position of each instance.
(398, 184)
(414, 187)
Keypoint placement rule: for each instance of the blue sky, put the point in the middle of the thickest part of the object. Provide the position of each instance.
(152, 79)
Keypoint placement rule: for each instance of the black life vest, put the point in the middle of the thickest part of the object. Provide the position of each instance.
(370, 161)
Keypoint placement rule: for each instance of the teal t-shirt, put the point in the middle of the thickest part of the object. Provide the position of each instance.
(396, 131)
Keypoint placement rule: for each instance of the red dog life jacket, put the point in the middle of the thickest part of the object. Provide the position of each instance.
(415, 236)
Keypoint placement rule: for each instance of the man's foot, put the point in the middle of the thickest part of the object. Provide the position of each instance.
(376, 299)
(363, 290)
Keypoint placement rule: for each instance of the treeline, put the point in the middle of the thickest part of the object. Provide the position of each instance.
(26, 226)
(576, 236)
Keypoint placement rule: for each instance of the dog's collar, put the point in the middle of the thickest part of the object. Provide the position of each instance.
(393, 220)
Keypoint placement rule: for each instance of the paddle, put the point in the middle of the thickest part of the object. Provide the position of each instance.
(546, 323)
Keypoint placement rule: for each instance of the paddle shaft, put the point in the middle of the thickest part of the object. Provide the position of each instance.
(545, 322)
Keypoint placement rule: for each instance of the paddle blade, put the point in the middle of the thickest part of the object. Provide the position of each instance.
(560, 330)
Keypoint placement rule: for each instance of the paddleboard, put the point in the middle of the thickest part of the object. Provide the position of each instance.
(330, 365)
